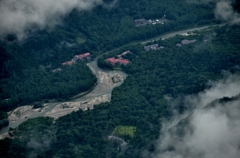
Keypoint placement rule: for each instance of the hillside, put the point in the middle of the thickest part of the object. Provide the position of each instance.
(95, 31)
(129, 125)
(138, 102)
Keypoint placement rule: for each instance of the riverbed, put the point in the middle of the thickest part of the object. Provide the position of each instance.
(99, 94)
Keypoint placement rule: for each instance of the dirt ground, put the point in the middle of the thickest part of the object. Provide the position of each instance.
(61, 109)
(100, 94)
(68, 107)
(3, 136)
(23, 112)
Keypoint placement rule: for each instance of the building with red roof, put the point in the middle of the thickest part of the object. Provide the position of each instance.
(114, 61)
(75, 58)
(81, 56)
(67, 63)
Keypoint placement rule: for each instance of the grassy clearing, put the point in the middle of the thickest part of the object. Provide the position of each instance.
(124, 131)
(80, 39)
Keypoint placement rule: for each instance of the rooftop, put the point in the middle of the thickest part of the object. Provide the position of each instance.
(188, 41)
(114, 61)
(153, 47)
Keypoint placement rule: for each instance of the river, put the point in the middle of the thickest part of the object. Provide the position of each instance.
(104, 87)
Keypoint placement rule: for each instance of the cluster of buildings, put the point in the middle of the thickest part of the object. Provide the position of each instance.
(76, 57)
(184, 42)
(153, 47)
(157, 47)
(140, 22)
(73, 60)
(143, 22)
(119, 60)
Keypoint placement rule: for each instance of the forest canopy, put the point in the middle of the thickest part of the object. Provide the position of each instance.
(139, 105)
(98, 31)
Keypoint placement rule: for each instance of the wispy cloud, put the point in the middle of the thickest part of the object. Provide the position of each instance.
(223, 10)
(22, 17)
(204, 132)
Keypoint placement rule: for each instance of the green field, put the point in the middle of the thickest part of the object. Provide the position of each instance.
(81, 39)
(124, 131)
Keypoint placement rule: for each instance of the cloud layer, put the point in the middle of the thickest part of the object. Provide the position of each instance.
(207, 132)
(223, 10)
(23, 16)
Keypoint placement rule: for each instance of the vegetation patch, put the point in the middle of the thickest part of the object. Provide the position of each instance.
(80, 39)
(38, 105)
(3, 119)
(35, 126)
(125, 131)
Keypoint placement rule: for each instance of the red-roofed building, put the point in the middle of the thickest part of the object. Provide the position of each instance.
(75, 58)
(81, 56)
(114, 61)
(111, 60)
(122, 61)
(67, 63)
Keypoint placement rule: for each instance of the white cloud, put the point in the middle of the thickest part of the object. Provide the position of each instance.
(23, 16)
(209, 132)
(223, 10)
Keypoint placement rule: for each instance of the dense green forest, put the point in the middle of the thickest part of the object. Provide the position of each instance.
(3, 119)
(39, 84)
(138, 104)
(98, 31)
(93, 31)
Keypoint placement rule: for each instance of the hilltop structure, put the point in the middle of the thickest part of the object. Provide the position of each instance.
(114, 61)
(76, 57)
(141, 22)
(185, 42)
(144, 22)
(188, 41)
(153, 47)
